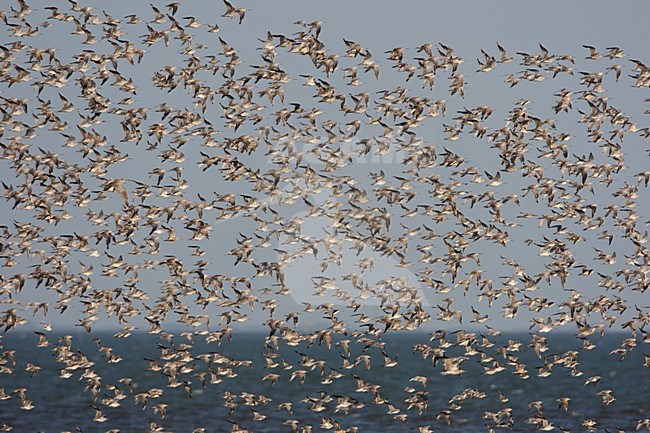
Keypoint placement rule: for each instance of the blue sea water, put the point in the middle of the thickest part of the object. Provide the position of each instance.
(62, 405)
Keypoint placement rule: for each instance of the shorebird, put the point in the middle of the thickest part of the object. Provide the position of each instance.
(157, 150)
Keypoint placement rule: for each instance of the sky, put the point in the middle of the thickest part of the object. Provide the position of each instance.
(467, 27)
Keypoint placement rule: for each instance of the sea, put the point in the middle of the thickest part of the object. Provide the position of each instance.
(63, 405)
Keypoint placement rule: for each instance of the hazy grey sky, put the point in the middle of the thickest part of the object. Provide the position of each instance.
(467, 27)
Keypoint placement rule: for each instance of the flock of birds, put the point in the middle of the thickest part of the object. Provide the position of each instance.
(79, 234)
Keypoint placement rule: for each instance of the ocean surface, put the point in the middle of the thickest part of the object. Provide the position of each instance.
(62, 405)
